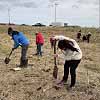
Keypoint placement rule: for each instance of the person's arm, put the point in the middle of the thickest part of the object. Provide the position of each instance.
(16, 42)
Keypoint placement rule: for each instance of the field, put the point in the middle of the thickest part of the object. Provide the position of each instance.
(36, 82)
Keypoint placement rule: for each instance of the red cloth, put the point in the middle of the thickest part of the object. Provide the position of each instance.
(51, 39)
(39, 38)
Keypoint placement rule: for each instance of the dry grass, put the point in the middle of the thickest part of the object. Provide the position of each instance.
(36, 82)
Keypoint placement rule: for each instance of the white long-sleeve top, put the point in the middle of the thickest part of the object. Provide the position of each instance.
(69, 54)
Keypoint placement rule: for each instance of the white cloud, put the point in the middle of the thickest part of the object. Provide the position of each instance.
(81, 12)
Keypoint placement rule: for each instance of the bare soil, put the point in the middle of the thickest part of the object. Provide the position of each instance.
(36, 82)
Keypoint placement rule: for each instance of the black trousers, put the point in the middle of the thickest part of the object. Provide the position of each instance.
(70, 65)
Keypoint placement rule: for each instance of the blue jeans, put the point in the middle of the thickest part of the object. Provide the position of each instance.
(39, 49)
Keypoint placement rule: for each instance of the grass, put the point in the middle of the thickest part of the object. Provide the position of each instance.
(4, 49)
(92, 67)
(23, 85)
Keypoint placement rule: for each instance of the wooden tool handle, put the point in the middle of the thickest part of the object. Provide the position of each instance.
(55, 70)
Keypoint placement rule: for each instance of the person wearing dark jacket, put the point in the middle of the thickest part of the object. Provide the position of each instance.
(88, 37)
(72, 55)
(20, 40)
(79, 36)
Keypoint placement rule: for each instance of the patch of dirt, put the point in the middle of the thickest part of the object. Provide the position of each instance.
(36, 82)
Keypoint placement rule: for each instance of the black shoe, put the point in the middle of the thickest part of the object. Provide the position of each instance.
(23, 63)
(71, 86)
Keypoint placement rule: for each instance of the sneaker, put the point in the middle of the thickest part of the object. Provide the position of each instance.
(71, 86)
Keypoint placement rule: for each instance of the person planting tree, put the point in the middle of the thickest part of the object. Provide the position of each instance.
(20, 40)
(72, 55)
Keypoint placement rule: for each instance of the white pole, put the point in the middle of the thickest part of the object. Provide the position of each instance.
(55, 11)
(9, 15)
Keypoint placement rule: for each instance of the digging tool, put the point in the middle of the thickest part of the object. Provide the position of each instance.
(55, 70)
(7, 59)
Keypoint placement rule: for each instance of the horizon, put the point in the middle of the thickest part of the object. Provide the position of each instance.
(47, 11)
(7, 23)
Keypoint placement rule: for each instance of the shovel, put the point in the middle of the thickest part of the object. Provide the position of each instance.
(7, 59)
(55, 70)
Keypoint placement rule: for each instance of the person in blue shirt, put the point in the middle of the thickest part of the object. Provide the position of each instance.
(20, 40)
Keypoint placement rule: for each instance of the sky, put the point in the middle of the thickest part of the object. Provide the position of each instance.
(74, 12)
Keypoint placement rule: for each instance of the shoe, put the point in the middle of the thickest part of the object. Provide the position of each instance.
(71, 86)
(23, 63)
(36, 53)
(62, 82)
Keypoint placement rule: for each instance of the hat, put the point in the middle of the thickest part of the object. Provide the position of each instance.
(10, 30)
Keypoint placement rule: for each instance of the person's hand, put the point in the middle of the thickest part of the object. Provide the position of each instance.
(55, 55)
(61, 62)
(54, 39)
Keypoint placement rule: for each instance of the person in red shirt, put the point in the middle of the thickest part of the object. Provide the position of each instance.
(39, 43)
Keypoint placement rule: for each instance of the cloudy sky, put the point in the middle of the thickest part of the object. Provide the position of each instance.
(73, 12)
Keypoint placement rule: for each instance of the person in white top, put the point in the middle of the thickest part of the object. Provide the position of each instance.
(72, 55)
